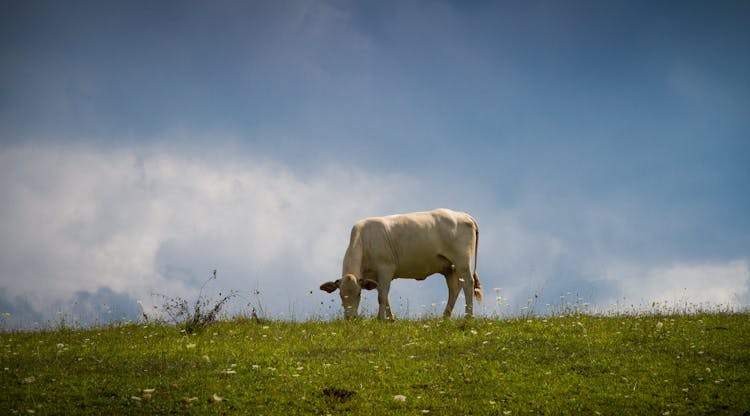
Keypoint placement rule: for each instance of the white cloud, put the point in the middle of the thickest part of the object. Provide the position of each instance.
(718, 283)
(128, 223)
(143, 221)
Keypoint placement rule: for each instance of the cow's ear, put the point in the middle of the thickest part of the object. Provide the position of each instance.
(368, 284)
(330, 287)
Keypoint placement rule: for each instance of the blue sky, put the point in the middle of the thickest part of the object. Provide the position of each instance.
(603, 147)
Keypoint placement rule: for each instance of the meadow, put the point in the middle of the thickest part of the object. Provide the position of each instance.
(637, 364)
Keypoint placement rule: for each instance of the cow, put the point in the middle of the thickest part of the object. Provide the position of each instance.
(409, 246)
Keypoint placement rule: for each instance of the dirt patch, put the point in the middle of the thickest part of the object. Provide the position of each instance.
(341, 395)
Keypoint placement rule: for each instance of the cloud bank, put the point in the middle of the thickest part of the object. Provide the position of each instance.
(144, 221)
(90, 231)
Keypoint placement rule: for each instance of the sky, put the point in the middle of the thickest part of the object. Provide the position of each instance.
(603, 147)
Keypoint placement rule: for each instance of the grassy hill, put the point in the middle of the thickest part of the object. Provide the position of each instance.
(659, 365)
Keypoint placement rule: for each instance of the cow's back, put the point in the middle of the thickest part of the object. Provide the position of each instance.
(416, 244)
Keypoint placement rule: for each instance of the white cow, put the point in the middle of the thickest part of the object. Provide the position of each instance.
(411, 246)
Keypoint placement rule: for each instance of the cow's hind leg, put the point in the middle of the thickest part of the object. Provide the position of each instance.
(454, 286)
(467, 282)
(451, 279)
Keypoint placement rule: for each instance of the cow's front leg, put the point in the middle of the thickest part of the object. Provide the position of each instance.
(384, 287)
(384, 304)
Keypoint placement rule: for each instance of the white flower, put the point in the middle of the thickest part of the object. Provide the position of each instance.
(399, 397)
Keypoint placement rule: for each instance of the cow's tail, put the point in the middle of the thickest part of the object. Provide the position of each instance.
(477, 286)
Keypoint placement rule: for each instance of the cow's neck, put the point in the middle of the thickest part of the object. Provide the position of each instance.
(353, 260)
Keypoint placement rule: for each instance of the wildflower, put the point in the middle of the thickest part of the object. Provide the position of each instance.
(399, 398)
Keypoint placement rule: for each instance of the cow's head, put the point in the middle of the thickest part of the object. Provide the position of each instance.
(350, 289)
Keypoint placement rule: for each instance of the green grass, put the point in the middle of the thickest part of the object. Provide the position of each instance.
(683, 364)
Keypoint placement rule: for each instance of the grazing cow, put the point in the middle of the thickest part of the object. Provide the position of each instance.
(410, 246)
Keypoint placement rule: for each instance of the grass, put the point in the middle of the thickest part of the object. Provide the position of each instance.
(660, 365)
